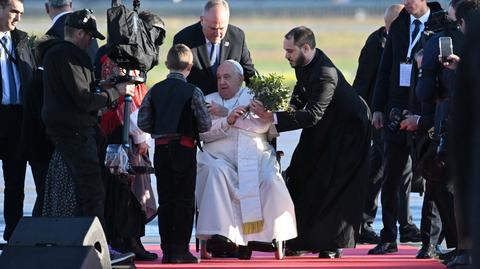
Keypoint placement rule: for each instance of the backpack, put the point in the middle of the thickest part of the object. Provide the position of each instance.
(130, 43)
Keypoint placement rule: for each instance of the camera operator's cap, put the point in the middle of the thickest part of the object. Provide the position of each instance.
(84, 19)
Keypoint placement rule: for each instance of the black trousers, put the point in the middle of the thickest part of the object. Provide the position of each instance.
(176, 170)
(80, 154)
(438, 214)
(397, 164)
(375, 181)
(13, 167)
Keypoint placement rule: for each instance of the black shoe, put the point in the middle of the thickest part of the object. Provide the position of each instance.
(368, 237)
(244, 253)
(463, 258)
(427, 252)
(448, 256)
(295, 253)
(410, 233)
(330, 254)
(134, 245)
(221, 247)
(383, 248)
(261, 246)
(145, 256)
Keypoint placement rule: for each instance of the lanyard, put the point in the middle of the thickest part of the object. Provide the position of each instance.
(8, 54)
(412, 45)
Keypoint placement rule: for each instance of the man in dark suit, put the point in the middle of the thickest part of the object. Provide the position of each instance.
(212, 41)
(326, 177)
(364, 84)
(16, 69)
(58, 10)
(394, 89)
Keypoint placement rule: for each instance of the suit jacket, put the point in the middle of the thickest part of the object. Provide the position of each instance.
(25, 62)
(25, 66)
(388, 94)
(368, 63)
(233, 46)
(57, 30)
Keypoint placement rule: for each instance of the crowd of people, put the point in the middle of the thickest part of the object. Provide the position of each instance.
(408, 123)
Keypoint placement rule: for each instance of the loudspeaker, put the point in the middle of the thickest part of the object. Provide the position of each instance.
(60, 234)
(50, 257)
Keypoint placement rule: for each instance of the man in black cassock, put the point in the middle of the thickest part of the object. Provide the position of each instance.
(326, 177)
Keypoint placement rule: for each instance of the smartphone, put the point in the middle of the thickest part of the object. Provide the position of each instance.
(446, 47)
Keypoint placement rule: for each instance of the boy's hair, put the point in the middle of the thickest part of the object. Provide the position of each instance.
(179, 57)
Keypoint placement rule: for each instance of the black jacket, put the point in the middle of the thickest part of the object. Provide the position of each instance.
(368, 63)
(25, 66)
(35, 145)
(388, 94)
(233, 46)
(70, 101)
(435, 85)
(25, 61)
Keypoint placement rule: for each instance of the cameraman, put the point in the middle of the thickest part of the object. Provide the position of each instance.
(70, 108)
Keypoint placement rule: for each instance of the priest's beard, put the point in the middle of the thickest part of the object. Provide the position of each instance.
(299, 62)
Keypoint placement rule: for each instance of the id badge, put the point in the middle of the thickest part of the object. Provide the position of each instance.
(405, 74)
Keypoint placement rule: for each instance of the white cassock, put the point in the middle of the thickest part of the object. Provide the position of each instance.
(240, 192)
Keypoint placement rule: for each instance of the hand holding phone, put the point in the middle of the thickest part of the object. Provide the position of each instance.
(446, 47)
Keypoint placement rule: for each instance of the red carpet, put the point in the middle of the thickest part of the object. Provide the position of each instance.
(352, 258)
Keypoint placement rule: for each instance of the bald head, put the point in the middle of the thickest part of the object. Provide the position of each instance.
(391, 14)
(55, 7)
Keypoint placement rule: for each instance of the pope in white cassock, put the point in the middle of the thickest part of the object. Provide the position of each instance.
(240, 192)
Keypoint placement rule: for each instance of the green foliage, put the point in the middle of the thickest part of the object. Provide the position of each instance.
(271, 91)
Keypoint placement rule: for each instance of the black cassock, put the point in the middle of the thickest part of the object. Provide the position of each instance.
(326, 177)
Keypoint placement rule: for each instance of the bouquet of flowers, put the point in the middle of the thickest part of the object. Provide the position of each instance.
(271, 91)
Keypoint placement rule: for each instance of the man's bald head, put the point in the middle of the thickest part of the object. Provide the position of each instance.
(391, 14)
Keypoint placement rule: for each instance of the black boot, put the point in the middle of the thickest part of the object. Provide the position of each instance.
(181, 254)
(134, 244)
(166, 253)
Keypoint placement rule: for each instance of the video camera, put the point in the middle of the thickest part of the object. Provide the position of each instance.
(396, 117)
(134, 39)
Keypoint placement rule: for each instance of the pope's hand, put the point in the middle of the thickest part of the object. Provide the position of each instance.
(217, 110)
(236, 114)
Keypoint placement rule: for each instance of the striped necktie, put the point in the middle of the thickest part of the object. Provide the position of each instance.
(416, 29)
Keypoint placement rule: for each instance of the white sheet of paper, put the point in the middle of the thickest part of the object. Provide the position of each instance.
(405, 74)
